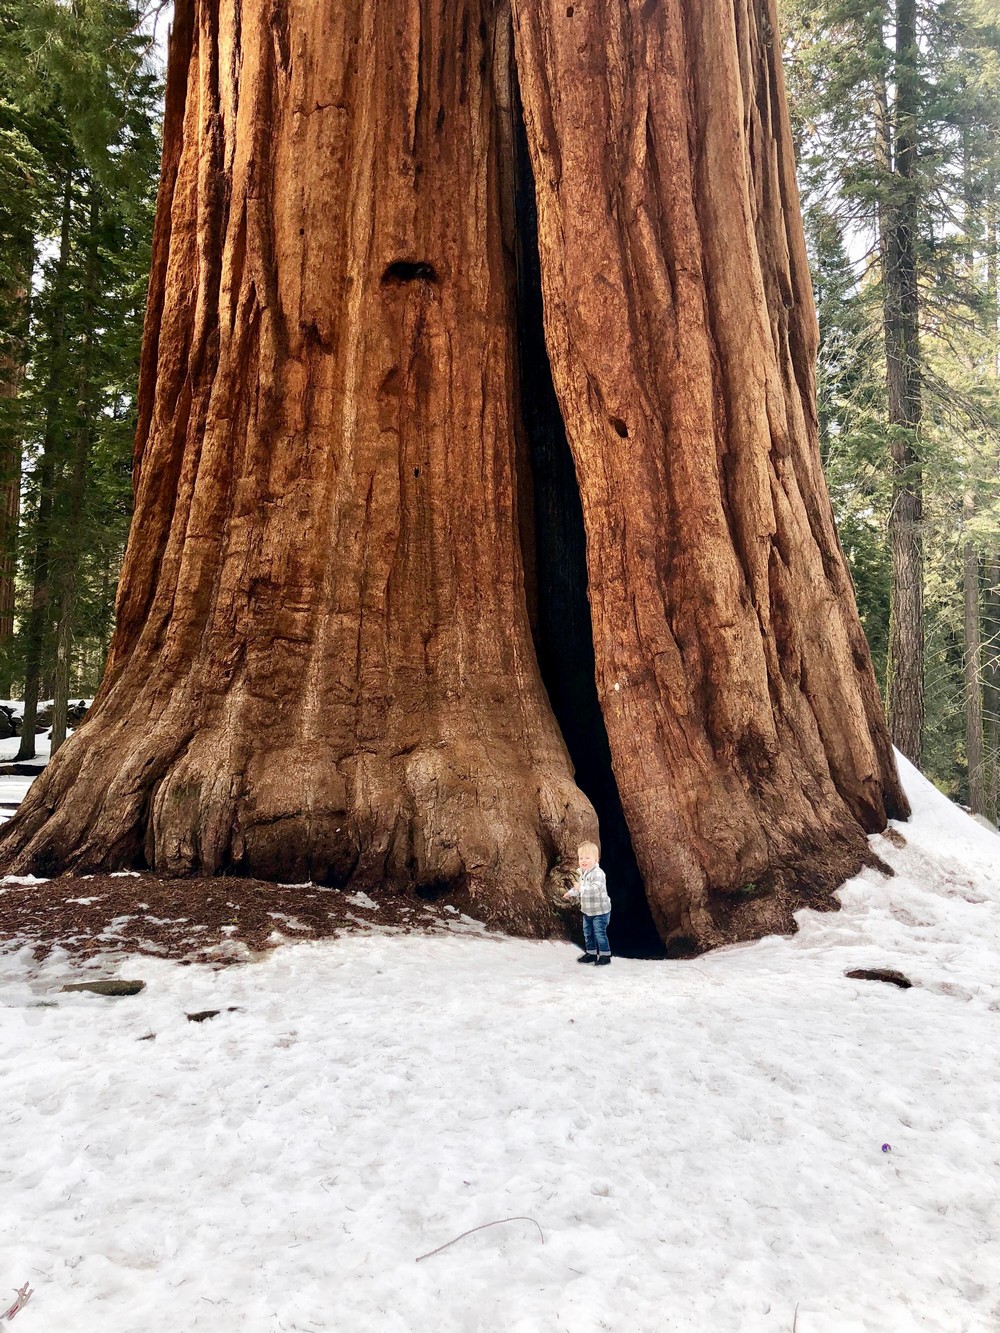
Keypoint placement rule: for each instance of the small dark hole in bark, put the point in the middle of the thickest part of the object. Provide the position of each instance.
(409, 270)
(302, 231)
(311, 335)
(620, 427)
(416, 472)
(569, 11)
(556, 551)
(440, 118)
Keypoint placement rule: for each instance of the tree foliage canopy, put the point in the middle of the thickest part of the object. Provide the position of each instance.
(839, 64)
(79, 157)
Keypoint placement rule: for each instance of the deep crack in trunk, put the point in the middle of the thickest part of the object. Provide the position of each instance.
(561, 623)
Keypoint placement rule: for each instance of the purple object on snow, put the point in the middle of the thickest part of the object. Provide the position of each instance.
(887, 1147)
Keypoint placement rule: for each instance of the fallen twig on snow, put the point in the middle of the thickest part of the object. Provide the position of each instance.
(24, 1295)
(482, 1227)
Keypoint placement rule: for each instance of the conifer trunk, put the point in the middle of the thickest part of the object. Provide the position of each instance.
(991, 685)
(12, 365)
(41, 591)
(70, 519)
(323, 661)
(972, 669)
(10, 512)
(736, 684)
(905, 667)
(991, 587)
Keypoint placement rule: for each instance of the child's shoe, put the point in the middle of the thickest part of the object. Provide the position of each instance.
(603, 959)
(587, 958)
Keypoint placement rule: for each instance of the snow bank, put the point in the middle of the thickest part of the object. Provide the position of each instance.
(701, 1143)
(14, 788)
(16, 706)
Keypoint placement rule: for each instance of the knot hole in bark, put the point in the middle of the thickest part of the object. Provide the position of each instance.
(620, 427)
(409, 270)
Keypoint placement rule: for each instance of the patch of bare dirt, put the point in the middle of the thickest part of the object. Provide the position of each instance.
(224, 920)
(894, 836)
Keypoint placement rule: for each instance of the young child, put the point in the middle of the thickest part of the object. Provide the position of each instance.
(591, 892)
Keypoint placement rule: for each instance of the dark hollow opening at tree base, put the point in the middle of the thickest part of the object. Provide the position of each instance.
(563, 632)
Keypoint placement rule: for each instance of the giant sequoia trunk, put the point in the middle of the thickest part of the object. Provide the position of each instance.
(365, 475)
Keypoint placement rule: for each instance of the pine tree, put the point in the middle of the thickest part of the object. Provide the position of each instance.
(82, 87)
(913, 216)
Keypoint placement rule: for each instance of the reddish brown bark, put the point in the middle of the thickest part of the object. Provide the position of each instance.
(323, 662)
(744, 720)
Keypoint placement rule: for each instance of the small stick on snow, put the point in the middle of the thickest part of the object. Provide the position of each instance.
(795, 1318)
(482, 1227)
(24, 1295)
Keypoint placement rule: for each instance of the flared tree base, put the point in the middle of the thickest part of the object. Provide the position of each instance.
(478, 820)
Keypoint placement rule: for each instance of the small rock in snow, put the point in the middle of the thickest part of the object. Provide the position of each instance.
(107, 987)
(888, 974)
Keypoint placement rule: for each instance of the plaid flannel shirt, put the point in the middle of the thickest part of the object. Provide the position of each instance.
(591, 892)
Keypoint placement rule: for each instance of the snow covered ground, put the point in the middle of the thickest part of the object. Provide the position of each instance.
(13, 788)
(12, 792)
(748, 1141)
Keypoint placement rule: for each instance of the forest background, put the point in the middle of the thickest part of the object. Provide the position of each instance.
(896, 115)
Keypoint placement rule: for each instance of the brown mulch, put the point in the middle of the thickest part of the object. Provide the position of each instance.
(223, 920)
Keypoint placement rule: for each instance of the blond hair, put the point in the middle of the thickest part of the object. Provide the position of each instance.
(589, 847)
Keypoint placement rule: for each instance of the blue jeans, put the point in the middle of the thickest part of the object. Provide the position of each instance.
(595, 933)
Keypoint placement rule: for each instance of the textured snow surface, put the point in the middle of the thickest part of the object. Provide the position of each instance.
(699, 1142)
(13, 790)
